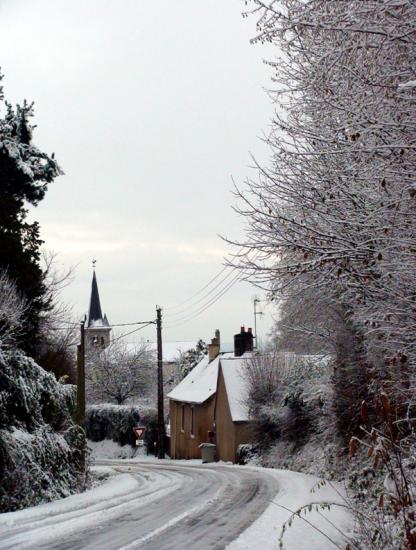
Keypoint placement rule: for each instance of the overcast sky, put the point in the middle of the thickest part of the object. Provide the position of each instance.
(151, 108)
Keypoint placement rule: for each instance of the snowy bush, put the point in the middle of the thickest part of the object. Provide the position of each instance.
(383, 480)
(291, 401)
(41, 448)
(246, 453)
(116, 422)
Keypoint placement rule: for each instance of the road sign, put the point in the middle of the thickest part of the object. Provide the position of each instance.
(139, 432)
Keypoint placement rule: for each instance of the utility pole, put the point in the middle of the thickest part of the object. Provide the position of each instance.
(81, 386)
(81, 377)
(160, 411)
(255, 302)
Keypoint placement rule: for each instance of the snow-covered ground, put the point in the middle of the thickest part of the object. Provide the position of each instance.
(166, 504)
(110, 449)
(312, 529)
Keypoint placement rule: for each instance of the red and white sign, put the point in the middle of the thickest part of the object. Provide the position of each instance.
(139, 431)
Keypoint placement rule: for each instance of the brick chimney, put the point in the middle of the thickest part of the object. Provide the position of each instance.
(214, 346)
(243, 342)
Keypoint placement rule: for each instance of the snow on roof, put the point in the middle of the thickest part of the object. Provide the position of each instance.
(236, 387)
(200, 384)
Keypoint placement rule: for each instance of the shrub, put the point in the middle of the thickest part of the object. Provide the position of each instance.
(290, 398)
(116, 422)
(42, 450)
(383, 479)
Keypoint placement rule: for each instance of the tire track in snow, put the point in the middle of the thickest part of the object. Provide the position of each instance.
(176, 506)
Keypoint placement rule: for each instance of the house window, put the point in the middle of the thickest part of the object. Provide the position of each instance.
(192, 421)
(183, 418)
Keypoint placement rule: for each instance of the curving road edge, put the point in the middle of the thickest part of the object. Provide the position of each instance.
(162, 505)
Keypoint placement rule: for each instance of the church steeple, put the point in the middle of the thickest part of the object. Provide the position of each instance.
(94, 312)
(98, 328)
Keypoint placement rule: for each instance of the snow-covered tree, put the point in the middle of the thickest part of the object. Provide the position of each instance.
(25, 173)
(334, 212)
(308, 322)
(335, 209)
(58, 327)
(12, 311)
(118, 373)
(42, 451)
(187, 360)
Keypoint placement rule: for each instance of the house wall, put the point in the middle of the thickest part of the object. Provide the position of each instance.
(224, 426)
(182, 443)
(244, 433)
(229, 434)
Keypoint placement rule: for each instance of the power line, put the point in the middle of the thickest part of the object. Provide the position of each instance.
(132, 331)
(131, 324)
(206, 306)
(231, 269)
(75, 325)
(204, 297)
(67, 327)
(62, 328)
(211, 301)
(198, 292)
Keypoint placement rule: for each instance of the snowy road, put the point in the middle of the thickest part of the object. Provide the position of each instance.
(158, 506)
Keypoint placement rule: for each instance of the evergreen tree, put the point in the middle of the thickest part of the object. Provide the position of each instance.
(25, 172)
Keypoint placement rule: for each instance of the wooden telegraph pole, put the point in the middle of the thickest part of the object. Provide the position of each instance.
(81, 386)
(81, 377)
(160, 408)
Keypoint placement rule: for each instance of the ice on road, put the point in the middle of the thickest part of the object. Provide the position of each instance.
(168, 505)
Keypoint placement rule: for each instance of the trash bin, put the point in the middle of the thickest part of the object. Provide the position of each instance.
(207, 452)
